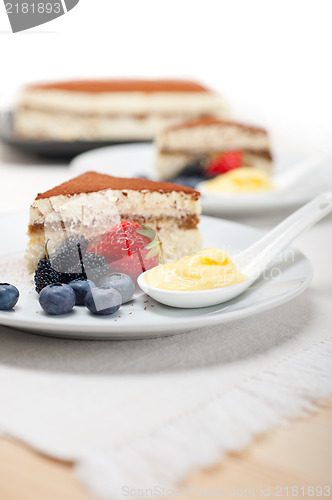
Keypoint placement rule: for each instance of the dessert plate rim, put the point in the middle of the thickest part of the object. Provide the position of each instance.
(162, 320)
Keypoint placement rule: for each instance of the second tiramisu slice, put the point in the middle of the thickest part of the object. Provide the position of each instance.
(210, 139)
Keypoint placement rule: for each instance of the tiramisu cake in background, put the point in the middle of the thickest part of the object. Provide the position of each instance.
(172, 210)
(215, 143)
(110, 110)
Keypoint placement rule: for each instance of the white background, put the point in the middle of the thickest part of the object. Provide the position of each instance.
(271, 59)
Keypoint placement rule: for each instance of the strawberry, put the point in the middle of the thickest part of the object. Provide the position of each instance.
(122, 240)
(130, 248)
(225, 162)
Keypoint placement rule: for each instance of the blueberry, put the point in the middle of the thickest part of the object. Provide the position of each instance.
(122, 283)
(81, 288)
(103, 300)
(57, 299)
(8, 296)
(188, 181)
(195, 167)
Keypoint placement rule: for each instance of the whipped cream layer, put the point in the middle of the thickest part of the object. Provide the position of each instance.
(142, 203)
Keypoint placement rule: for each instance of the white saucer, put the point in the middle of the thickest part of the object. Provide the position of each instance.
(134, 160)
(144, 318)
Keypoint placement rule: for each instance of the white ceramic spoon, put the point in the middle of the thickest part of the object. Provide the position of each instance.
(251, 262)
(282, 181)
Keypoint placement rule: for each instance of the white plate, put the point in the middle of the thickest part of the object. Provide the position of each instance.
(133, 160)
(146, 318)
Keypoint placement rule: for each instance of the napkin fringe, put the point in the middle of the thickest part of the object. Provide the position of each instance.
(155, 463)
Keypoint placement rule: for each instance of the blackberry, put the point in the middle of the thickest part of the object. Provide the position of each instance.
(71, 276)
(95, 267)
(45, 275)
(68, 256)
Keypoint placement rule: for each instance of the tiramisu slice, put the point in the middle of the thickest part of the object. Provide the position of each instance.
(210, 138)
(170, 209)
(110, 109)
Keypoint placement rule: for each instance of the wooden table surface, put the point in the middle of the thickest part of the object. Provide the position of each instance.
(284, 463)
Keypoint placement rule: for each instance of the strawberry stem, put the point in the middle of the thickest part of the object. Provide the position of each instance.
(141, 260)
(161, 254)
(46, 252)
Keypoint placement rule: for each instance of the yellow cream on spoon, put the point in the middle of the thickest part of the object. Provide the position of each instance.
(210, 268)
